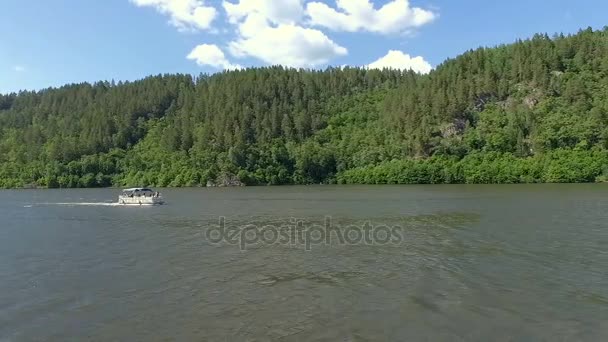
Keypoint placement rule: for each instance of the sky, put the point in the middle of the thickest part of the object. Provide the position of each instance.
(49, 43)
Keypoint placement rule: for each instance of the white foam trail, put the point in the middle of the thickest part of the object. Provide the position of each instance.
(89, 204)
(78, 204)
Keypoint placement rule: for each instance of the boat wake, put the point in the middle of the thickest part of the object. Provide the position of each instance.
(77, 204)
(84, 204)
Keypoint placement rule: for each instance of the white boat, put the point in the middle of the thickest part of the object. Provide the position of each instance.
(140, 196)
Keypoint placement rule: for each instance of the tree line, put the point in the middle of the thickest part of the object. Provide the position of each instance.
(532, 111)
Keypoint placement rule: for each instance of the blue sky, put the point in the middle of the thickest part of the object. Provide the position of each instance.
(54, 42)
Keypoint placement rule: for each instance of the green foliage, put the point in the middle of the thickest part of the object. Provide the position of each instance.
(532, 111)
(559, 166)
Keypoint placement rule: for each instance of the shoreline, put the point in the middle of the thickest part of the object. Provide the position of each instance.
(306, 185)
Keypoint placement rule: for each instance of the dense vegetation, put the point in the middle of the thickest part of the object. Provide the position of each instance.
(532, 111)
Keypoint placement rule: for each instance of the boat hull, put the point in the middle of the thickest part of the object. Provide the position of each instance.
(141, 200)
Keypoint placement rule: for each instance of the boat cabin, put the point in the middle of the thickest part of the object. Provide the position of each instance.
(140, 196)
(140, 192)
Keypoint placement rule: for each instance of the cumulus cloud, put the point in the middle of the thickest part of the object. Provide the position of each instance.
(288, 45)
(290, 32)
(277, 12)
(360, 15)
(402, 61)
(185, 14)
(212, 55)
(268, 30)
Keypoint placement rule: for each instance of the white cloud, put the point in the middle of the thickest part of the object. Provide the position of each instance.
(19, 68)
(184, 14)
(288, 45)
(268, 30)
(208, 54)
(282, 32)
(360, 15)
(402, 61)
(277, 12)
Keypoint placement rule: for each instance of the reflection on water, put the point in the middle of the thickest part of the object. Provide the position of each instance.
(475, 263)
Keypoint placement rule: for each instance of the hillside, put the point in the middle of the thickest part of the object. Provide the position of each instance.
(532, 111)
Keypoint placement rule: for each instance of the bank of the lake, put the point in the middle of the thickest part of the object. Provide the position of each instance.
(559, 166)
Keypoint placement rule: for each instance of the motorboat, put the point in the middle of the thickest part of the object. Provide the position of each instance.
(140, 196)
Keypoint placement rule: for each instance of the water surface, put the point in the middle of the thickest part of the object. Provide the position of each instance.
(521, 262)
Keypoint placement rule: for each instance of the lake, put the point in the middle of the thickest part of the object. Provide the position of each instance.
(449, 262)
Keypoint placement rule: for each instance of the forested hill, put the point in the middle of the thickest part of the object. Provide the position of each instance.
(532, 111)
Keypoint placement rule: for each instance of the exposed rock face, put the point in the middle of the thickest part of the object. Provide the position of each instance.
(481, 101)
(455, 128)
(531, 101)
